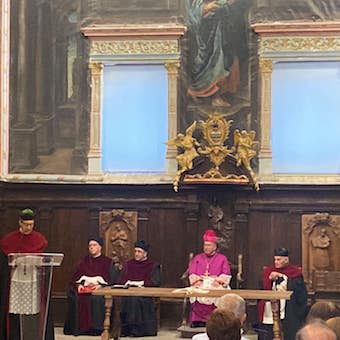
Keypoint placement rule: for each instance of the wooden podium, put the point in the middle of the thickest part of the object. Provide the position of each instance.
(181, 293)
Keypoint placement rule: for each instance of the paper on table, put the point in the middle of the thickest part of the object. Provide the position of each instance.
(190, 290)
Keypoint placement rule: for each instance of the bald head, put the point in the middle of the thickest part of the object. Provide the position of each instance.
(316, 330)
(235, 304)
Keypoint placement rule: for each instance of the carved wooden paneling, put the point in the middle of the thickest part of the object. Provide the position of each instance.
(119, 231)
(173, 224)
(320, 250)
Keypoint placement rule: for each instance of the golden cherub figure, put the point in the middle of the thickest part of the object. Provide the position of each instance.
(244, 146)
(187, 143)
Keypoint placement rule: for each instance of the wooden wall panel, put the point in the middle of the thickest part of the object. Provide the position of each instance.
(172, 223)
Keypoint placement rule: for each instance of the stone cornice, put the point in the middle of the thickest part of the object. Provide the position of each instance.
(304, 28)
(147, 31)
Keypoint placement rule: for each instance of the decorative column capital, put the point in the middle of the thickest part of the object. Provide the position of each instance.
(172, 66)
(96, 67)
(266, 65)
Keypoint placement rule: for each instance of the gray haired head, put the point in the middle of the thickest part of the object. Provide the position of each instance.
(233, 303)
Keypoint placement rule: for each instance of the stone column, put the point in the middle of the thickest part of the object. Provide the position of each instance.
(23, 152)
(265, 153)
(172, 67)
(44, 115)
(94, 155)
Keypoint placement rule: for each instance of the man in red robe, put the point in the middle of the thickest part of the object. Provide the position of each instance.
(283, 276)
(23, 240)
(86, 312)
(138, 315)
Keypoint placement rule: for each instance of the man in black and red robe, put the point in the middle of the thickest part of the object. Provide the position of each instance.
(23, 240)
(138, 314)
(86, 312)
(283, 276)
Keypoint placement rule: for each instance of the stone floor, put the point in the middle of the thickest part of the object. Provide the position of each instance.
(163, 334)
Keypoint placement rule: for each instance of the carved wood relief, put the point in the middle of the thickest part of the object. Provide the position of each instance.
(119, 231)
(320, 251)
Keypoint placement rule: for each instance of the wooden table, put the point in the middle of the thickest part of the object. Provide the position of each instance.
(272, 296)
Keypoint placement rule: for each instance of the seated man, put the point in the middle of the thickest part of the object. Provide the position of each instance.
(138, 314)
(86, 312)
(209, 269)
(230, 303)
(284, 276)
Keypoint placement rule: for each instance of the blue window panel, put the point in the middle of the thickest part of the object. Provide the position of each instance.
(135, 118)
(305, 131)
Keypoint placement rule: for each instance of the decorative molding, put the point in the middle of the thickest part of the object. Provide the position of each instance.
(297, 28)
(172, 67)
(94, 155)
(96, 68)
(162, 31)
(279, 41)
(136, 44)
(300, 44)
(266, 65)
(138, 47)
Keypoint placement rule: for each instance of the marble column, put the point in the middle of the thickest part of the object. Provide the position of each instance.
(171, 153)
(94, 155)
(23, 152)
(44, 116)
(265, 153)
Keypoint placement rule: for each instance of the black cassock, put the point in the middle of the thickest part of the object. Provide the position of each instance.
(138, 314)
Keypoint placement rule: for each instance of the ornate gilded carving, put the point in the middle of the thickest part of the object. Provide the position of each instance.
(96, 68)
(119, 230)
(215, 130)
(185, 160)
(266, 65)
(291, 43)
(130, 47)
(244, 144)
(320, 235)
(172, 66)
(215, 133)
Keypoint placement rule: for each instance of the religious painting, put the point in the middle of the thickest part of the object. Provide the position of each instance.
(216, 61)
(49, 82)
(46, 126)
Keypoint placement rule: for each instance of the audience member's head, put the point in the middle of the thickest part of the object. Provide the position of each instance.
(235, 304)
(323, 310)
(223, 325)
(141, 250)
(334, 324)
(316, 330)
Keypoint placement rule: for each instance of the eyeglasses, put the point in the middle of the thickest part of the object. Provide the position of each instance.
(27, 224)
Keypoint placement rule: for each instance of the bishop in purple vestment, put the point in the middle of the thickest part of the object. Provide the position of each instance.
(209, 270)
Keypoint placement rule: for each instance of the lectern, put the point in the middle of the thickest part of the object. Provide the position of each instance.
(30, 290)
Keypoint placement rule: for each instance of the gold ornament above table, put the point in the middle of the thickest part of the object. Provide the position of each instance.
(211, 148)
